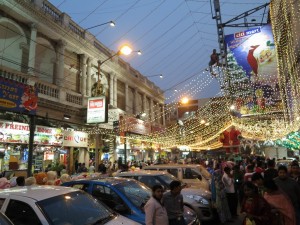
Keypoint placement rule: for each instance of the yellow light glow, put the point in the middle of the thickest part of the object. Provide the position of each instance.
(125, 50)
(184, 100)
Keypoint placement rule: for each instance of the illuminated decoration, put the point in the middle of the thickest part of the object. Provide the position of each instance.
(286, 25)
(230, 140)
(291, 141)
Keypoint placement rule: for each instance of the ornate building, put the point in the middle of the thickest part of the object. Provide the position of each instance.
(43, 46)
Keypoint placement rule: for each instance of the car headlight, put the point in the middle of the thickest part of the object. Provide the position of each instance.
(198, 199)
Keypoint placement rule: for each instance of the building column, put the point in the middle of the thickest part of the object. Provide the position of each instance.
(144, 103)
(135, 100)
(151, 110)
(89, 78)
(60, 78)
(111, 90)
(163, 115)
(127, 109)
(115, 91)
(83, 74)
(32, 46)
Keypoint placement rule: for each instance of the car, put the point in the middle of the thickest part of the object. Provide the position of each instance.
(196, 199)
(4, 220)
(187, 173)
(126, 196)
(55, 205)
(284, 162)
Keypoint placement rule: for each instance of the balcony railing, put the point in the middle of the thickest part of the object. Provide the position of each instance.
(75, 99)
(47, 90)
(52, 11)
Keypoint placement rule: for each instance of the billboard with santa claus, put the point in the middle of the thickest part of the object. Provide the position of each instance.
(252, 65)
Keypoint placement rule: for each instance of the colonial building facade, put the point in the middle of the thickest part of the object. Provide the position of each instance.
(42, 46)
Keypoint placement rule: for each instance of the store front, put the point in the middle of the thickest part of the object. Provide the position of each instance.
(14, 139)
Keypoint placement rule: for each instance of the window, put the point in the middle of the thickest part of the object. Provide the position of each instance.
(149, 181)
(83, 187)
(106, 195)
(21, 214)
(174, 172)
(189, 173)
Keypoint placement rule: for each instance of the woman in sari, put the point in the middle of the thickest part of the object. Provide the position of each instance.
(254, 206)
(280, 202)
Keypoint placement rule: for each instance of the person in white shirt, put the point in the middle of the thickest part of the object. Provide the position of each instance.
(231, 196)
(156, 213)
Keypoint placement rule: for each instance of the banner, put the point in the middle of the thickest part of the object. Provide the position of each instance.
(12, 132)
(97, 110)
(252, 67)
(18, 97)
(134, 125)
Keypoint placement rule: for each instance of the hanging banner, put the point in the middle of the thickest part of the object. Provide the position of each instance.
(12, 132)
(134, 125)
(18, 97)
(252, 67)
(97, 110)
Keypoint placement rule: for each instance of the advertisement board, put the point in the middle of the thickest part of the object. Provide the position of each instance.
(97, 110)
(18, 97)
(134, 125)
(75, 139)
(12, 132)
(252, 64)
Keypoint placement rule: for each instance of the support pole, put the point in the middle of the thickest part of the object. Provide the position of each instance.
(125, 149)
(31, 139)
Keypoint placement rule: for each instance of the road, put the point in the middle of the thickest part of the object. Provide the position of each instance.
(235, 221)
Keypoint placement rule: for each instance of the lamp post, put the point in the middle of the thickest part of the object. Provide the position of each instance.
(125, 50)
(111, 23)
(156, 75)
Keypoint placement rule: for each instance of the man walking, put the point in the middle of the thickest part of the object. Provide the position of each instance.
(173, 201)
(228, 182)
(155, 211)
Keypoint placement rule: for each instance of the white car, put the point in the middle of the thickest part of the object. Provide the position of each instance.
(55, 205)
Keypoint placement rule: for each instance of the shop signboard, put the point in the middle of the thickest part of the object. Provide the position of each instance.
(134, 125)
(13, 132)
(155, 127)
(251, 59)
(75, 139)
(97, 110)
(18, 97)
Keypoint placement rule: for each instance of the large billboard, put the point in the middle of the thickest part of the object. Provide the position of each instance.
(18, 97)
(252, 64)
(97, 110)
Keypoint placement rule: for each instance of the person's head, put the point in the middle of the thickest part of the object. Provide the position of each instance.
(227, 170)
(271, 164)
(214, 51)
(250, 168)
(282, 172)
(157, 191)
(20, 181)
(250, 189)
(257, 179)
(270, 186)
(295, 168)
(175, 187)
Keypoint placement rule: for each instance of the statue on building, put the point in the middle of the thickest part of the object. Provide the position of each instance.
(100, 87)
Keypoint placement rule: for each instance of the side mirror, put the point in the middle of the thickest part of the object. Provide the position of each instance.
(120, 208)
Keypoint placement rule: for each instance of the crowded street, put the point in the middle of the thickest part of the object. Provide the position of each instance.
(149, 112)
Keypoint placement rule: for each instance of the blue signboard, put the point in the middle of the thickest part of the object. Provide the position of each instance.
(18, 97)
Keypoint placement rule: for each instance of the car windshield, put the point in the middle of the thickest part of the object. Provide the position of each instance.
(136, 193)
(75, 208)
(166, 179)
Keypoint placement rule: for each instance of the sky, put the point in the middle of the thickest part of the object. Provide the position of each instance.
(176, 37)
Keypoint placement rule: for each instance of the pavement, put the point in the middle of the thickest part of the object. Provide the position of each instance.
(235, 221)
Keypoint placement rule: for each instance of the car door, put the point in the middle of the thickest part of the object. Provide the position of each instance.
(108, 196)
(23, 211)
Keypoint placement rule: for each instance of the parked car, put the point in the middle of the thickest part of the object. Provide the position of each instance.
(196, 199)
(54, 205)
(125, 196)
(4, 220)
(187, 173)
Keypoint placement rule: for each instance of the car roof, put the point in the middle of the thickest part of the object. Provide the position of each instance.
(105, 180)
(173, 166)
(37, 192)
(141, 172)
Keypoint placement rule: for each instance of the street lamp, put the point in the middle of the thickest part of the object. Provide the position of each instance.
(156, 75)
(184, 100)
(111, 23)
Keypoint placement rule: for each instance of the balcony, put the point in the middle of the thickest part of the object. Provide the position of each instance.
(45, 90)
